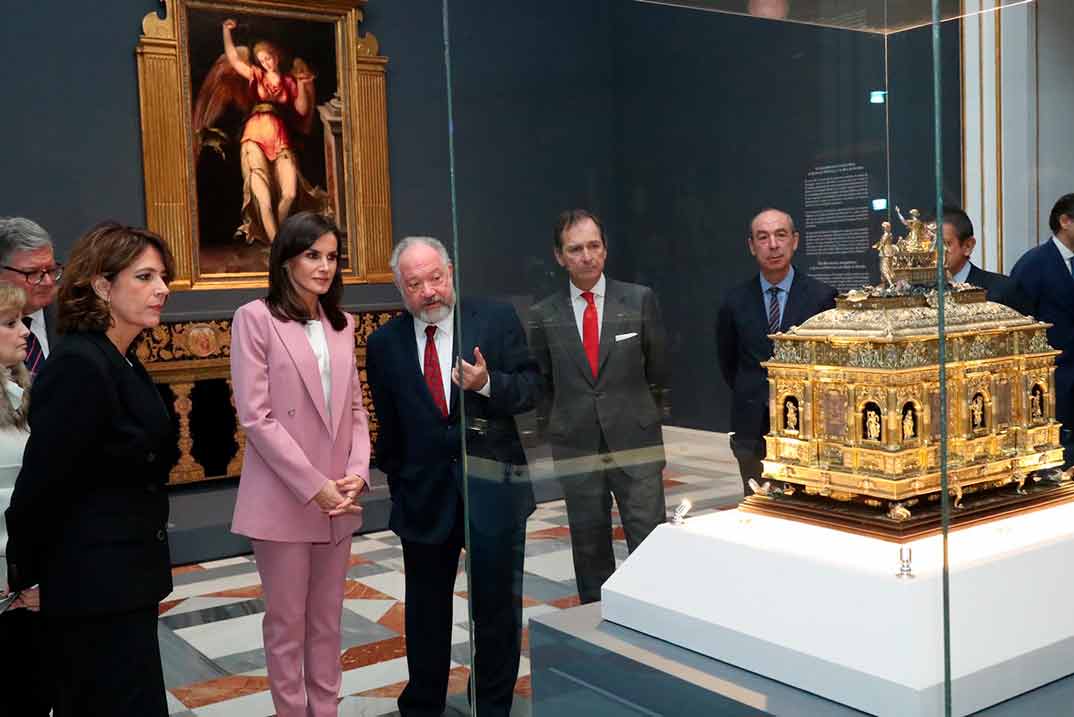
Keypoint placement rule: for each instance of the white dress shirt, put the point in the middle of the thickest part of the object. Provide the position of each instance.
(319, 344)
(962, 274)
(1064, 252)
(579, 304)
(37, 326)
(445, 332)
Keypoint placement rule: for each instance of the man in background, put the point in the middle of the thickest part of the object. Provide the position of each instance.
(769, 302)
(1044, 276)
(959, 242)
(600, 345)
(27, 260)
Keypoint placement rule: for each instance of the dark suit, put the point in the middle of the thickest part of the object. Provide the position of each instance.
(88, 521)
(421, 453)
(998, 288)
(1044, 278)
(742, 343)
(605, 431)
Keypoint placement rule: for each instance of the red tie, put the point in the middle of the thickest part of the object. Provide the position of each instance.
(590, 334)
(432, 371)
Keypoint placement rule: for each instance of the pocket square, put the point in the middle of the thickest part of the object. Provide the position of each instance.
(624, 337)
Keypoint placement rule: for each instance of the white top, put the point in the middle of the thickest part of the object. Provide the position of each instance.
(12, 445)
(319, 344)
(37, 327)
(1065, 253)
(579, 304)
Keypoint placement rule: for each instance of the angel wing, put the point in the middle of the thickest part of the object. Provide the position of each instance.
(222, 87)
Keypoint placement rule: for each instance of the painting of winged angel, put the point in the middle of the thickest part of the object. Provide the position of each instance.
(276, 98)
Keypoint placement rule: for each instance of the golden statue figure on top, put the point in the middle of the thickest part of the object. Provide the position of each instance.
(921, 237)
(886, 248)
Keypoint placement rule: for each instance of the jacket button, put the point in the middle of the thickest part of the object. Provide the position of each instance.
(161, 535)
(151, 488)
(150, 457)
(290, 412)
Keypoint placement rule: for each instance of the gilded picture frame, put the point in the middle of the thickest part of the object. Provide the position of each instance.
(251, 111)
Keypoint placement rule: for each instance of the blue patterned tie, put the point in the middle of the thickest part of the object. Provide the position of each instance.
(773, 309)
(34, 354)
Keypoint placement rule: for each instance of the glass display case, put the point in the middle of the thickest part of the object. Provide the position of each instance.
(741, 428)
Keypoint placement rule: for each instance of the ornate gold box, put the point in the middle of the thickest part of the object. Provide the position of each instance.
(854, 407)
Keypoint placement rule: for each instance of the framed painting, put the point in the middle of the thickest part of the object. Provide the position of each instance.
(253, 111)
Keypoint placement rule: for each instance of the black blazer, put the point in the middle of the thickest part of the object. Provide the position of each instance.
(998, 288)
(626, 401)
(421, 451)
(1045, 280)
(742, 343)
(89, 513)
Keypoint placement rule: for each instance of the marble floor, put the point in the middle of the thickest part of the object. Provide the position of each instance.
(210, 625)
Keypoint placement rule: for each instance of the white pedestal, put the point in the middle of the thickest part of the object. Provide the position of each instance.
(822, 610)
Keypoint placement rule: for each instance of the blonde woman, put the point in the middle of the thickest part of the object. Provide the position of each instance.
(23, 690)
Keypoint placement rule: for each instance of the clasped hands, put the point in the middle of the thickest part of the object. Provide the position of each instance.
(337, 497)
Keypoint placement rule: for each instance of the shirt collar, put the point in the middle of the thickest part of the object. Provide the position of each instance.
(1064, 251)
(446, 324)
(963, 274)
(598, 289)
(784, 285)
(37, 318)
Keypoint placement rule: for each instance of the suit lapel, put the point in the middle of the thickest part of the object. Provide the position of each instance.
(613, 307)
(293, 337)
(760, 308)
(1061, 276)
(567, 327)
(795, 303)
(457, 342)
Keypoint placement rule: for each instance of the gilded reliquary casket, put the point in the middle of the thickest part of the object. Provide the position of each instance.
(855, 400)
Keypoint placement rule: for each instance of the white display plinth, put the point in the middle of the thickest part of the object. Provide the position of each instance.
(823, 610)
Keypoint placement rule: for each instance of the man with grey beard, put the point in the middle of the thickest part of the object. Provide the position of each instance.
(420, 369)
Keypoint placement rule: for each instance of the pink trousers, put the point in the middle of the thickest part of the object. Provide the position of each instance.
(303, 587)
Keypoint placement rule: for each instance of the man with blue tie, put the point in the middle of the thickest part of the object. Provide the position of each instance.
(768, 303)
(1045, 275)
(27, 260)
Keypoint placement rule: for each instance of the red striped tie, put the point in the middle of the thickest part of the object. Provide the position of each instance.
(432, 371)
(34, 354)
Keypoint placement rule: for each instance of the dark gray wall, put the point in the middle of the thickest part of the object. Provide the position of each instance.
(675, 125)
(72, 154)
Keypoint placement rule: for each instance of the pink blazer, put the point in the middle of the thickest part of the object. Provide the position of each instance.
(291, 446)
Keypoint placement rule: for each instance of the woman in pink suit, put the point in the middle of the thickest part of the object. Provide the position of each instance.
(299, 400)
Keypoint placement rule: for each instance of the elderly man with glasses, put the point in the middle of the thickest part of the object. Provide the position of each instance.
(27, 260)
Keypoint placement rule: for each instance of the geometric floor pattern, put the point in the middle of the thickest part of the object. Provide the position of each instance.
(210, 625)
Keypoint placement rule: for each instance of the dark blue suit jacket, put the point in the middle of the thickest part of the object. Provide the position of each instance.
(999, 288)
(742, 343)
(421, 451)
(1045, 280)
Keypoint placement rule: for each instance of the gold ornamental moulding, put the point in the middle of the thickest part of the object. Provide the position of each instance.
(252, 111)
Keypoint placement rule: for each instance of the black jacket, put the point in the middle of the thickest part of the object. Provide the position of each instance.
(742, 344)
(89, 513)
(998, 288)
(421, 451)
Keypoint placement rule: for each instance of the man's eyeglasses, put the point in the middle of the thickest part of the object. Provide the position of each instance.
(35, 277)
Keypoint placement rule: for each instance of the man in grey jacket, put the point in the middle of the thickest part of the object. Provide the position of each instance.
(600, 346)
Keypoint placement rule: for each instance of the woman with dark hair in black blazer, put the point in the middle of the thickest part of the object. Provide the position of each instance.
(89, 511)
